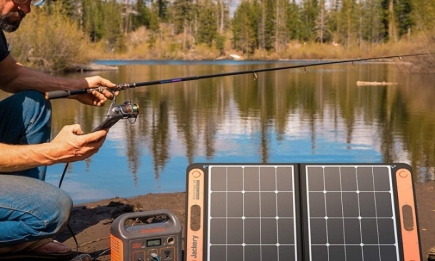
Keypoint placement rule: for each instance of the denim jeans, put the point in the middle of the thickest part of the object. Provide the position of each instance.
(30, 208)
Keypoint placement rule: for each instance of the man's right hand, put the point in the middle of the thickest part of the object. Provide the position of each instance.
(71, 144)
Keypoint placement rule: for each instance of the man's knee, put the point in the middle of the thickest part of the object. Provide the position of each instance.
(31, 208)
(36, 100)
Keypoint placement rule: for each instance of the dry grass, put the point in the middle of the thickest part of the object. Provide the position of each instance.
(49, 43)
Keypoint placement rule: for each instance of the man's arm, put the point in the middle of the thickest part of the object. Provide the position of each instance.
(68, 146)
(15, 77)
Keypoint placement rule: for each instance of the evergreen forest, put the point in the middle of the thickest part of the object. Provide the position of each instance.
(58, 34)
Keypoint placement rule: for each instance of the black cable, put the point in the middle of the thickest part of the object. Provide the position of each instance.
(68, 226)
(74, 237)
(63, 174)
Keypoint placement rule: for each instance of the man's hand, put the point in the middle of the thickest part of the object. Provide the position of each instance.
(71, 144)
(95, 98)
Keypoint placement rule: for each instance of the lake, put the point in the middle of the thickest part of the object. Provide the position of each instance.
(287, 116)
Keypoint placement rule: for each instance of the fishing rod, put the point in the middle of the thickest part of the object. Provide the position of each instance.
(124, 86)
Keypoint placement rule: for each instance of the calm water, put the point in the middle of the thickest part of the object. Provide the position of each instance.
(288, 116)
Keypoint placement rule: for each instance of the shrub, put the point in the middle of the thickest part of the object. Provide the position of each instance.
(49, 42)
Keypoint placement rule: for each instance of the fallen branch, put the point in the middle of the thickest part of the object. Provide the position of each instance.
(361, 83)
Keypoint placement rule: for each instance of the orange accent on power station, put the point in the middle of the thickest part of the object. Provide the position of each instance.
(116, 249)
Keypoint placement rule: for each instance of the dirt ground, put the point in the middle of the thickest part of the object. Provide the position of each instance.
(91, 222)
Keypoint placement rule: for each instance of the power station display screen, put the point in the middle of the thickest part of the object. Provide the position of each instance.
(154, 242)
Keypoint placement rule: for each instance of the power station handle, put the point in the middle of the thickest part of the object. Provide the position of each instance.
(123, 218)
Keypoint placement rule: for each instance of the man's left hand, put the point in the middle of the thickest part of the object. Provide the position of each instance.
(96, 98)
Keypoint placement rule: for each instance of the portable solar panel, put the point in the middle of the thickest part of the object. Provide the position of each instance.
(316, 212)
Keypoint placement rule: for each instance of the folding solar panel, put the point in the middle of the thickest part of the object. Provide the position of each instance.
(277, 212)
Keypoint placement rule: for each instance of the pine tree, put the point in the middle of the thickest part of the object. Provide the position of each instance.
(293, 21)
(321, 29)
(405, 22)
(154, 26)
(348, 22)
(423, 14)
(222, 16)
(372, 28)
(141, 16)
(389, 20)
(163, 10)
(207, 19)
(181, 14)
(269, 24)
(112, 25)
(309, 13)
(92, 19)
(281, 33)
(245, 27)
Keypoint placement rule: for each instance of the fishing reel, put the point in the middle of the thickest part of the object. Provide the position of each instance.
(127, 110)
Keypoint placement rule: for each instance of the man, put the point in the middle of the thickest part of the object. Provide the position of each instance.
(31, 210)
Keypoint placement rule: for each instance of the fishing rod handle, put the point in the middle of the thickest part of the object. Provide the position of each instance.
(63, 94)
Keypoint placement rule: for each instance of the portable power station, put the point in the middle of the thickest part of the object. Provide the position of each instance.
(153, 236)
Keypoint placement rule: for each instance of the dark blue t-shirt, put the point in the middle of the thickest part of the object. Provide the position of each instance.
(4, 50)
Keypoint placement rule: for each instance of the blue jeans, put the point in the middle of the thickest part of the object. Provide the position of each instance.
(30, 209)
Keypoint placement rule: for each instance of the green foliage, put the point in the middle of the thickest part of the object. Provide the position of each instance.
(207, 19)
(269, 24)
(93, 19)
(293, 21)
(181, 14)
(154, 28)
(403, 10)
(245, 27)
(323, 34)
(372, 27)
(309, 13)
(142, 15)
(69, 8)
(348, 19)
(220, 43)
(423, 14)
(112, 24)
(162, 6)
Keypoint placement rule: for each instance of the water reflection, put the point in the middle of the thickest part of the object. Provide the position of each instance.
(283, 116)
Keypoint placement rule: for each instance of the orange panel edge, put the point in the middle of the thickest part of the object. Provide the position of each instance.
(408, 219)
(195, 219)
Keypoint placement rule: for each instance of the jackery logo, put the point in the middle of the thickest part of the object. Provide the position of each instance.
(194, 247)
(153, 230)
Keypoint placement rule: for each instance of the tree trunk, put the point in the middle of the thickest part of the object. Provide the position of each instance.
(392, 30)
